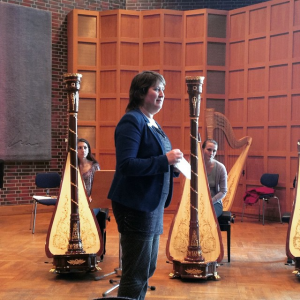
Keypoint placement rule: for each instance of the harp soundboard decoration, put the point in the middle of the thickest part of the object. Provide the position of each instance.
(216, 120)
(293, 234)
(74, 238)
(194, 243)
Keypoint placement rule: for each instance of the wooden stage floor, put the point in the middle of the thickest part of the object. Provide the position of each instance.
(257, 269)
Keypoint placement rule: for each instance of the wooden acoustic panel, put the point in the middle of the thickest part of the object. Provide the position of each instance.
(258, 20)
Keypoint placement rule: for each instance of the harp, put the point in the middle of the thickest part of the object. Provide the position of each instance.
(293, 234)
(238, 148)
(74, 238)
(194, 242)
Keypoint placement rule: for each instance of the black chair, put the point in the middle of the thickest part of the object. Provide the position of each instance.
(46, 181)
(270, 181)
(225, 221)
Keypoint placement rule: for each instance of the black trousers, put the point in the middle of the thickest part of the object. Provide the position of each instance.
(102, 215)
(139, 257)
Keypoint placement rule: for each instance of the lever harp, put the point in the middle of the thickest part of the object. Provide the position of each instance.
(293, 234)
(74, 238)
(215, 121)
(194, 243)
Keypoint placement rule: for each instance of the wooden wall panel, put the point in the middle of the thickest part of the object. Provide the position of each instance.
(278, 78)
(125, 81)
(258, 142)
(295, 108)
(250, 59)
(296, 16)
(235, 106)
(151, 54)
(279, 46)
(108, 56)
(194, 54)
(173, 26)
(236, 84)
(107, 110)
(130, 27)
(296, 76)
(296, 44)
(255, 110)
(258, 21)
(195, 26)
(257, 51)
(256, 81)
(237, 26)
(278, 110)
(275, 134)
(236, 58)
(151, 25)
(280, 16)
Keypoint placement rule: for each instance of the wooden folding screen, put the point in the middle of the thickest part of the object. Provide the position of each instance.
(249, 57)
(263, 99)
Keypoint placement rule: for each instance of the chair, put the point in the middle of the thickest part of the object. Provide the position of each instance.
(225, 221)
(45, 181)
(269, 181)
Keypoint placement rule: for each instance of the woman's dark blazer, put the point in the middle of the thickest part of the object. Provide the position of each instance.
(141, 164)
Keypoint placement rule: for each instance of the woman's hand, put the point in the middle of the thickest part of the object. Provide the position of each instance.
(174, 156)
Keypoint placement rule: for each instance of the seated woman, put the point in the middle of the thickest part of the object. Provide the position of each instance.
(216, 175)
(88, 165)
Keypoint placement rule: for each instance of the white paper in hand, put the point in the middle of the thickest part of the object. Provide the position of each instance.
(184, 167)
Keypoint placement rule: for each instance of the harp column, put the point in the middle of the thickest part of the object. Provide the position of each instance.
(194, 265)
(194, 85)
(72, 85)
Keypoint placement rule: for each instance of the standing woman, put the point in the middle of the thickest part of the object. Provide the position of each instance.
(216, 175)
(143, 182)
(88, 165)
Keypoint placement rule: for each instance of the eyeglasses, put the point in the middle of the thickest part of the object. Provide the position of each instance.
(82, 147)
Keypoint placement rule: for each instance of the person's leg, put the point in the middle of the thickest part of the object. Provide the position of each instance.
(218, 209)
(152, 266)
(138, 262)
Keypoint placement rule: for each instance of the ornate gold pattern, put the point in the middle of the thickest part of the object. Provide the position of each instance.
(194, 239)
(194, 271)
(76, 262)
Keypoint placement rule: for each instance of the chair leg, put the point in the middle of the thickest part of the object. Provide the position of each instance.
(243, 212)
(263, 200)
(228, 241)
(279, 209)
(33, 203)
(34, 217)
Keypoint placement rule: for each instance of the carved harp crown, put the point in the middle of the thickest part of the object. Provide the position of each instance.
(216, 120)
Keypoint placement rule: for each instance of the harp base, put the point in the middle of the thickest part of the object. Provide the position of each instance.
(74, 263)
(194, 270)
(297, 267)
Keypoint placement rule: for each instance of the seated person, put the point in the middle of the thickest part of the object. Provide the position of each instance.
(88, 165)
(216, 175)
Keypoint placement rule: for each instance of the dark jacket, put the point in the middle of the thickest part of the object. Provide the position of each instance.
(141, 164)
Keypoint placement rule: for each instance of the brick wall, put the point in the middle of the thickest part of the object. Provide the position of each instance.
(19, 176)
(188, 4)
